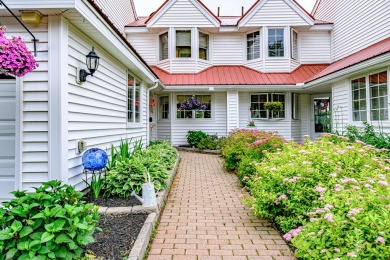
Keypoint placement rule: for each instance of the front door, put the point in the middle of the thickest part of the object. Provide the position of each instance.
(7, 137)
(321, 115)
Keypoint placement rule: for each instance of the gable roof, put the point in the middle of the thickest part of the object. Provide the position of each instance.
(262, 2)
(370, 52)
(238, 75)
(206, 9)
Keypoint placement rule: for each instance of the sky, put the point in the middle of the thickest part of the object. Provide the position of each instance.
(228, 7)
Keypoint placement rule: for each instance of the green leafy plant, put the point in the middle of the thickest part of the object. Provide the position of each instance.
(123, 152)
(210, 142)
(51, 223)
(97, 185)
(194, 137)
(273, 106)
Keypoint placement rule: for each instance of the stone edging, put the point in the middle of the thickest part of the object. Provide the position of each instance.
(141, 244)
(196, 150)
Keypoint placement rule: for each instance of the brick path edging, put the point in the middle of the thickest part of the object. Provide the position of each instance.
(141, 245)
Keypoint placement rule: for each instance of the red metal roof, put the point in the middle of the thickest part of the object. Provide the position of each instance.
(238, 75)
(365, 54)
(140, 22)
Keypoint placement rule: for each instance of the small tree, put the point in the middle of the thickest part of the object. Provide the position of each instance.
(15, 58)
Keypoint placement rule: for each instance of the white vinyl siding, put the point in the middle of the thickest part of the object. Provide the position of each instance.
(357, 24)
(314, 47)
(340, 106)
(145, 44)
(276, 13)
(217, 124)
(232, 110)
(183, 13)
(228, 48)
(120, 12)
(98, 107)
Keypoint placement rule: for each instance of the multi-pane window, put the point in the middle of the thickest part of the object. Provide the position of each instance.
(183, 44)
(257, 106)
(276, 42)
(163, 46)
(253, 45)
(133, 100)
(359, 103)
(164, 106)
(294, 45)
(203, 46)
(206, 99)
(376, 96)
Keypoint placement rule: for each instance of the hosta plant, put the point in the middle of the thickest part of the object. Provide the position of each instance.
(15, 58)
(51, 223)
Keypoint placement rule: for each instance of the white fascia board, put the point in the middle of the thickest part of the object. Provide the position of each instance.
(228, 29)
(39, 4)
(251, 13)
(93, 17)
(136, 30)
(300, 12)
(321, 27)
(371, 64)
(235, 87)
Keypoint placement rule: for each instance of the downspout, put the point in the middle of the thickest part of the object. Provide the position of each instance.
(148, 111)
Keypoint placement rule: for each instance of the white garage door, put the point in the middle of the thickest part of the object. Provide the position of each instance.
(7, 137)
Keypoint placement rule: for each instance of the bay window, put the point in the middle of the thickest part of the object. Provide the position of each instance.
(276, 42)
(133, 100)
(370, 98)
(163, 40)
(258, 110)
(183, 44)
(203, 46)
(253, 45)
(186, 113)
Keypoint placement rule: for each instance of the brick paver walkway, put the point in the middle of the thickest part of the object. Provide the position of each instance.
(204, 218)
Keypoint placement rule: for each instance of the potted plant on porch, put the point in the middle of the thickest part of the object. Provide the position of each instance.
(15, 57)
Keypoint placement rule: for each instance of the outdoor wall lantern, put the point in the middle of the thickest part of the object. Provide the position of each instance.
(92, 65)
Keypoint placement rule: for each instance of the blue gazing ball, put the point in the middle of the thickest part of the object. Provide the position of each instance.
(94, 159)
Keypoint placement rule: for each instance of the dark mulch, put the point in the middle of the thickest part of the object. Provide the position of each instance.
(112, 202)
(118, 236)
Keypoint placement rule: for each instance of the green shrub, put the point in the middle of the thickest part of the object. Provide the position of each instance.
(210, 142)
(330, 196)
(130, 174)
(51, 223)
(244, 143)
(194, 137)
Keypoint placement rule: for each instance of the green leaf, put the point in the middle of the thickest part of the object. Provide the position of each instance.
(25, 231)
(25, 256)
(16, 226)
(46, 237)
(63, 238)
(61, 253)
(23, 246)
(11, 253)
(44, 250)
(6, 234)
(51, 255)
(36, 236)
(39, 215)
(35, 245)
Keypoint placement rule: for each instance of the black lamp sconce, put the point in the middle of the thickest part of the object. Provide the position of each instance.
(92, 63)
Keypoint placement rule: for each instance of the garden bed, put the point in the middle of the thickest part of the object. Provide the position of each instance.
(118, 235)
(113, 201)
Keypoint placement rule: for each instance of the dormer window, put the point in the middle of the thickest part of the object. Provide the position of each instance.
(183, 44)
(203, 46)
(276, 42)
(164, 46)
(253, 45)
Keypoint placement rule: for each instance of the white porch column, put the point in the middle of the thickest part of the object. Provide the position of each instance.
(232, 105)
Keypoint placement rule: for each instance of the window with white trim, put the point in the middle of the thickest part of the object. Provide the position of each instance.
(163, 38)
(253, 45)
(183, 44)
(194, 113)
(294, 44)
(258, 110)
(133, 100)
(203, 46)
(164, 107)
(376, 95)
(276, 42)
(295, 106)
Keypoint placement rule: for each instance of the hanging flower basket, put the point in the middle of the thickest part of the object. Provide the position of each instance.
(15, 58)
(192, 104)
(273, 106)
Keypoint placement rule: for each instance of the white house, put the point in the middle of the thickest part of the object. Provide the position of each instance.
(45, 114)
(329, 68)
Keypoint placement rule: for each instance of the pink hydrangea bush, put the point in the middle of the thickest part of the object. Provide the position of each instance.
(15, 58)
(330, 197)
